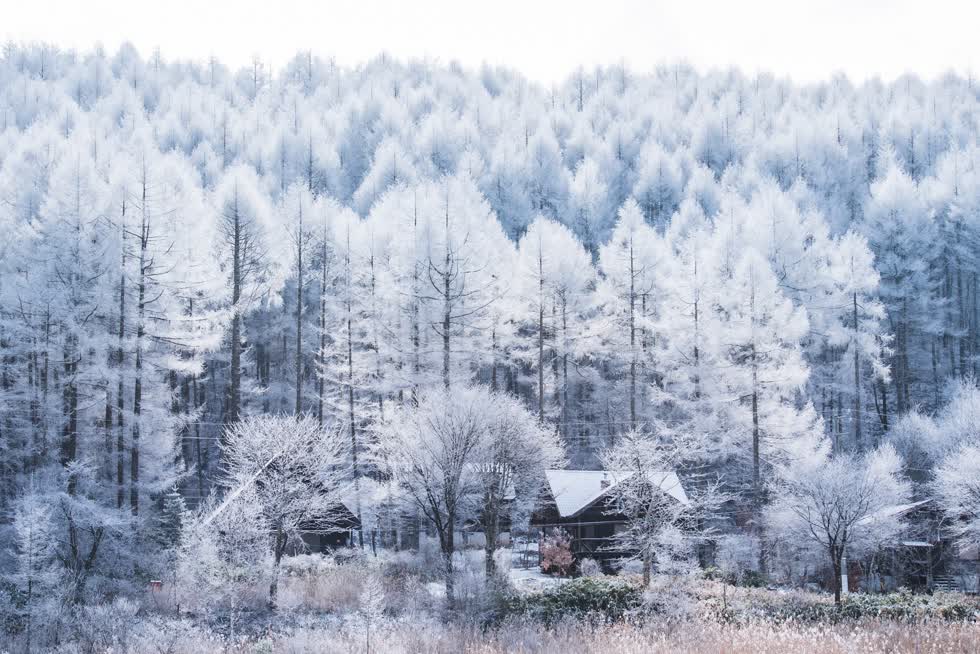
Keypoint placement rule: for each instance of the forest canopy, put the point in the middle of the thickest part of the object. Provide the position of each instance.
(751, 271)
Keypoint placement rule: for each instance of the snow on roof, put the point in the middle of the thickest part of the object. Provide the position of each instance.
(575, 490)
(892, 511)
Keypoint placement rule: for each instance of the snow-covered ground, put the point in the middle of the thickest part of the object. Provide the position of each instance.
(529, 580)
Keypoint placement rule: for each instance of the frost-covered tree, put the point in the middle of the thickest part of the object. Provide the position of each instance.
(902, 234)
(295, 470)
(242, 228)
(760, 333)
(665, 522)
(515, 452)
(38, 579)
(460, 454)
(225, 554)
(554, 280)
(841, 504)
(941, 452)
(434, 449)
(958, 490)
(627, 291)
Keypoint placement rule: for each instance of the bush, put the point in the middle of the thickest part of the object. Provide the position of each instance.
(797, 606)
(105, 627)
(908, 606)
(745, 578)
(580, 598)
(556, 554)
(320, 583)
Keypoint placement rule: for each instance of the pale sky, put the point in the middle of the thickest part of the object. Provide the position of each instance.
(544, 40)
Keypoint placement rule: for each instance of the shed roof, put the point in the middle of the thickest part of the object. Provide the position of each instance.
(896, 510)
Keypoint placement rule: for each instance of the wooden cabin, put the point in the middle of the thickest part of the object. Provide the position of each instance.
(580, 503)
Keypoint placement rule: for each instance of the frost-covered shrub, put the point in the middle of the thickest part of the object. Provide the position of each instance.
(670, 597)
(477, 599)
(225, 562)
(750, 604)
(319, 583)
(736, 555)
(428, 560)
(556, 553)
(908, 606)
(350, 555)
(48, 618)
(104, 627)
(504, 561)
(404, 577)
(579, 598)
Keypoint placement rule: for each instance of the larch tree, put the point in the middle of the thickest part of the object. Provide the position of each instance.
(554, 283)
(243, 215)
(902, 234)
(628, 264)
(760, 332)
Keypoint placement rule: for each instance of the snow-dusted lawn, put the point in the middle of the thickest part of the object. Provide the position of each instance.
(531, 580)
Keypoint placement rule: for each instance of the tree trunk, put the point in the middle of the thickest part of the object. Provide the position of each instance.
(857, 382)
(279, 548)
(134, 460)
(70, 446)
(835, 557)
(540, 334)
(351, 419)
(321, 383)
(756, 463)
(491, 524)
(235, 373)
(493, 358)
(541, 361)
(564, 375)
(448, 546)
(299, 313)
(416, 335)
(201, 463)
(446, 325)
(120, 395)
(632, 327)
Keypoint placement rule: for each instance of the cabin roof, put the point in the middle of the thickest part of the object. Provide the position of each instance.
(576, 490)
(895, 510)
(336, 518)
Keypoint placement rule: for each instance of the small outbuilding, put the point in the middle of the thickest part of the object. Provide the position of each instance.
(333, 529)
(925, 558)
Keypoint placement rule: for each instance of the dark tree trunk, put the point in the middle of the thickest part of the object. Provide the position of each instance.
(279, 548)
(857, 382)
(235, 373)
(144, 266)
(491, 527)
(299, 313)
(632, 328)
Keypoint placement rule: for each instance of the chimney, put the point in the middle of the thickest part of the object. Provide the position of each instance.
(604, 482)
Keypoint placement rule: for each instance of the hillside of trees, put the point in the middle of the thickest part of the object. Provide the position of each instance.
(747, 271)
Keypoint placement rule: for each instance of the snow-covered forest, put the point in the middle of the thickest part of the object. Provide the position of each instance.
(233, 299)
